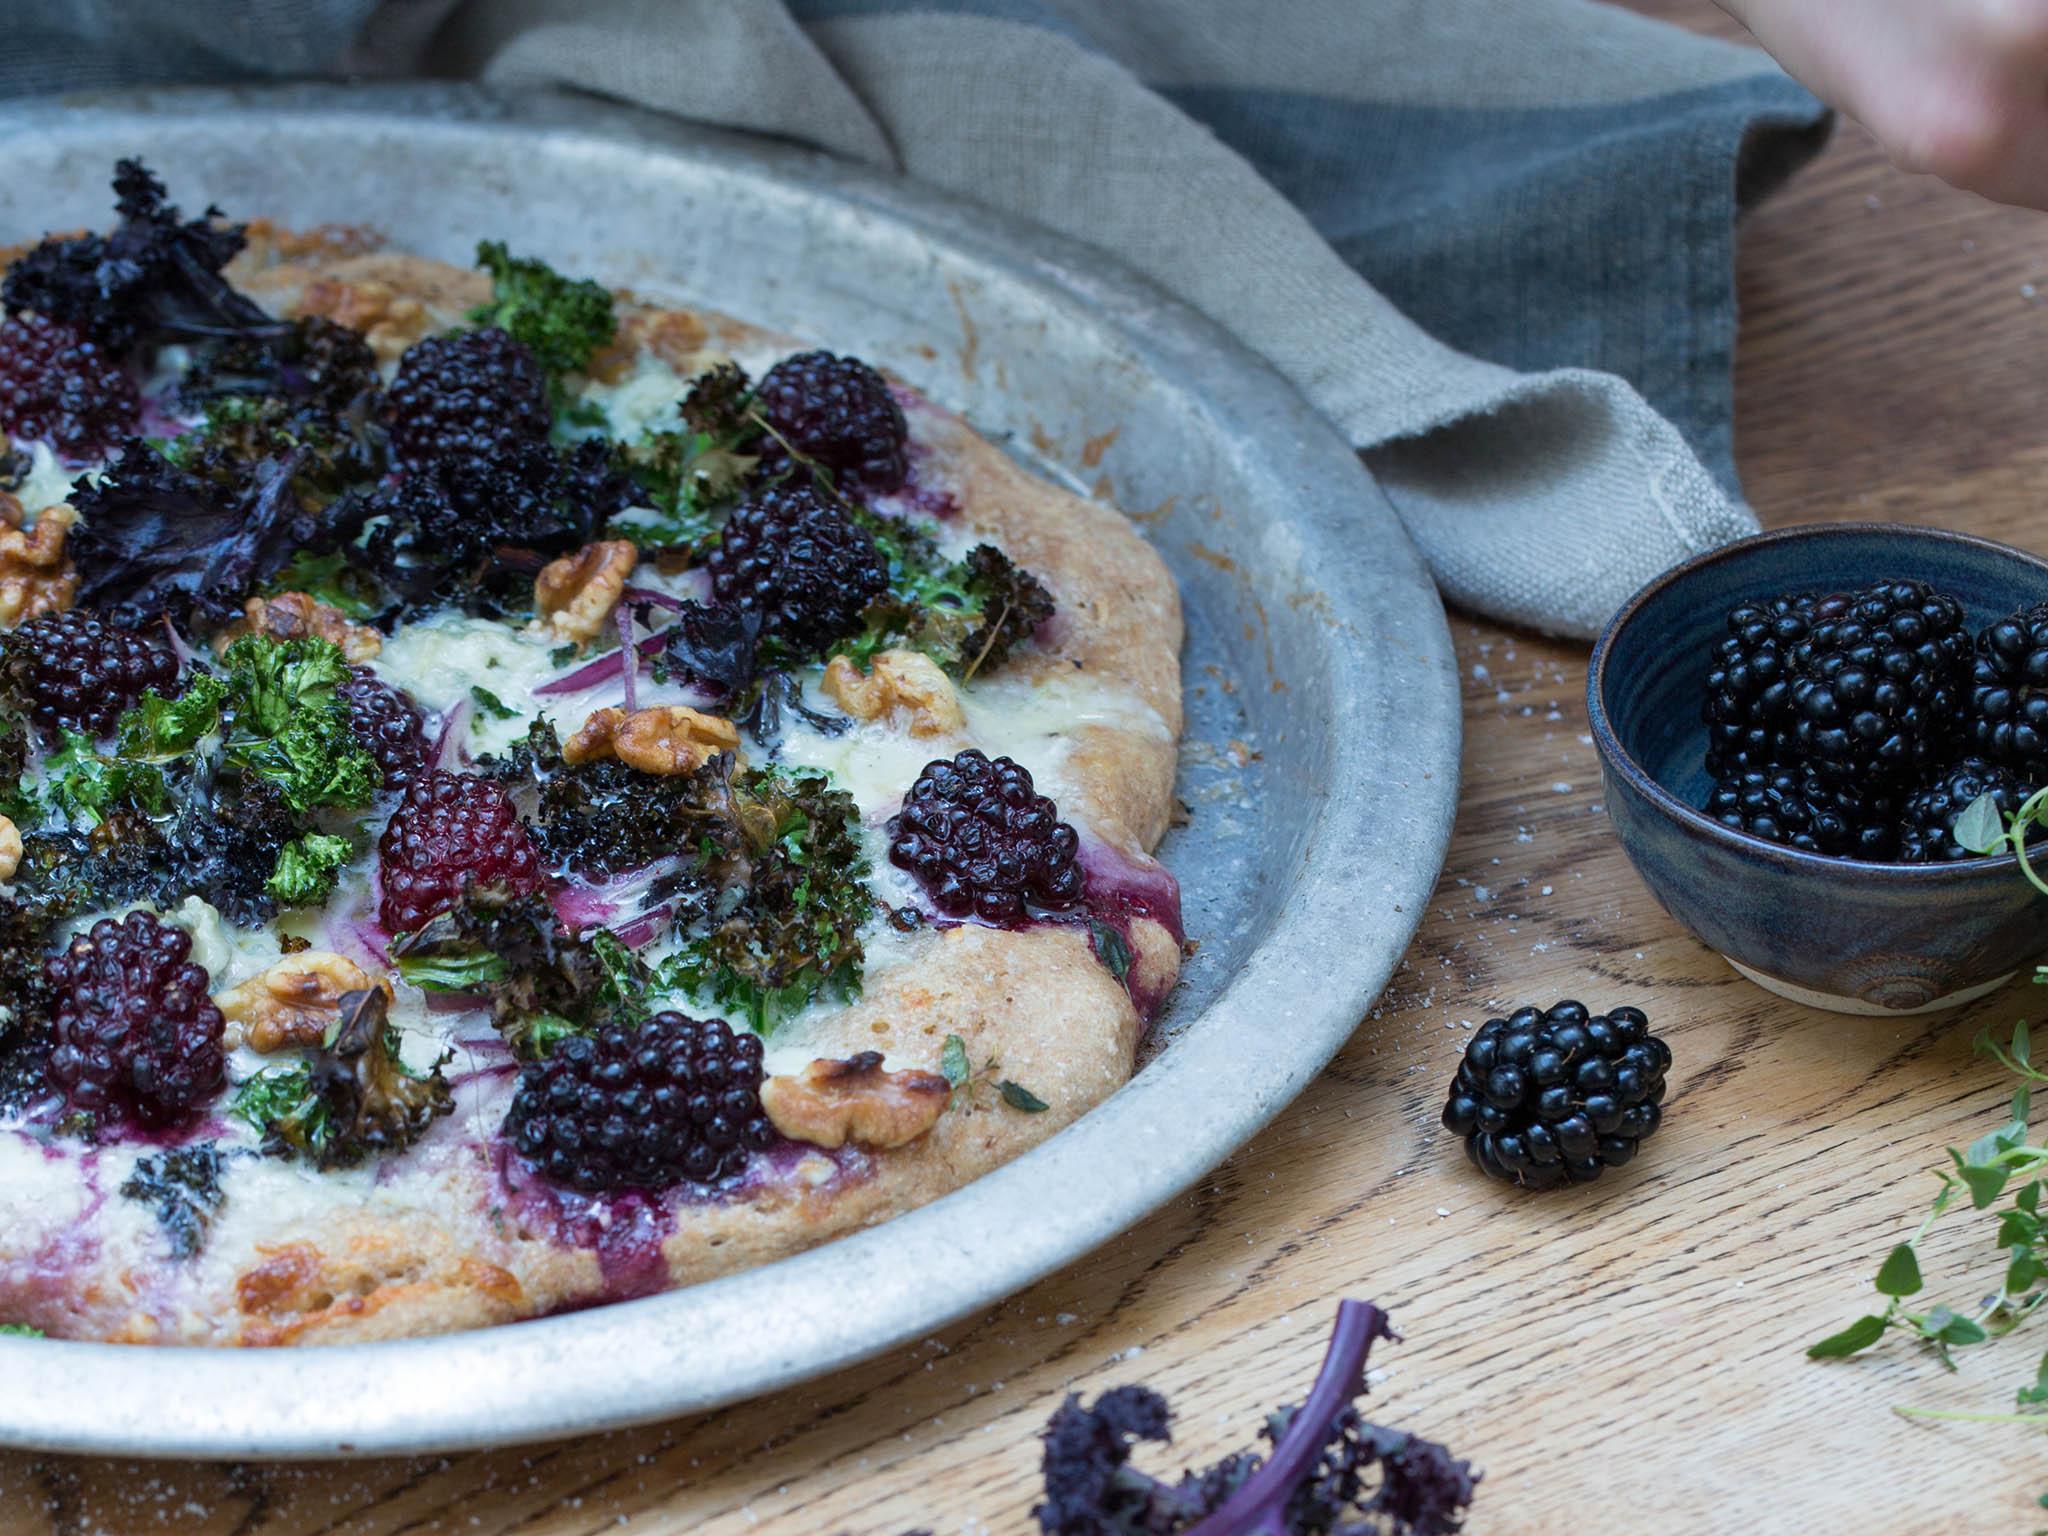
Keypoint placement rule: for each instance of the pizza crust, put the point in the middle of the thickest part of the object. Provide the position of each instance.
(449, 1240)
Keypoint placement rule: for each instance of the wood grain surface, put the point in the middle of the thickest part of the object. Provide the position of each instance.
(1621, 1359)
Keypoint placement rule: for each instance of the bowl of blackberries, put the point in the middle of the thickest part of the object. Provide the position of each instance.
(1825, 748)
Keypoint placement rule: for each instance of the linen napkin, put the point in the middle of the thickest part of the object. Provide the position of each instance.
(1491, 240)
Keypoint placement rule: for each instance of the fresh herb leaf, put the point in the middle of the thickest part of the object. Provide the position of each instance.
(1859, 1335)
(491, 704)
(1899, 1275)
(953, 1062)
(1111, 948)
(20, 1331)
(1017, 1096)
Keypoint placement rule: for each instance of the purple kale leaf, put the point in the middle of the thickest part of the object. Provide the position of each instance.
(154, 540)
(1330, 1472)
(155, 278)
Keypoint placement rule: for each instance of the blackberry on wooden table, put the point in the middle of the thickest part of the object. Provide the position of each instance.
(1553, 1096)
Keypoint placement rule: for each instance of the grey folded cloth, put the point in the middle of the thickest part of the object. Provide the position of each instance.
(1492, 240)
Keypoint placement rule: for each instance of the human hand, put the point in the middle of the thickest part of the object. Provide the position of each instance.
(1958, 88)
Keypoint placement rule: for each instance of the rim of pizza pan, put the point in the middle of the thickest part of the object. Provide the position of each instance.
(1378, 846)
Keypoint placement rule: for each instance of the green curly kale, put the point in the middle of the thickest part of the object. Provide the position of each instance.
(307, 868)
(352, 1099)
(694, 476)
(564, 320)
(967, 615)
(776, 917)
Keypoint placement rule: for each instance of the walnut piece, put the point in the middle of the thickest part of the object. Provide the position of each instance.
(36, 577)
(297, 615)
(575, 594)
(390, 321)
(10, 849)
(832, 1102)
(669, 738)
(905, 681)
(293, 1002)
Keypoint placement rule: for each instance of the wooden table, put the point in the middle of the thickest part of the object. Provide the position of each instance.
(1621, 1359)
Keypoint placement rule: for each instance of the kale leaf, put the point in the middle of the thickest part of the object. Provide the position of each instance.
(182, 1188)
(354, 1098)
(154, 278)
(1330, 1472)
(564, 320)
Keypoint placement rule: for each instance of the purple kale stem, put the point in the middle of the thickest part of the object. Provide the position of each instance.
(1259, 1507)
(600, 670)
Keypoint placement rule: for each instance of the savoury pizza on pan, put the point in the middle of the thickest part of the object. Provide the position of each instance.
(513, 796)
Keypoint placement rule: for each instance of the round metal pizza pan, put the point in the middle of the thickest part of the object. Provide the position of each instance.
(1321, 764)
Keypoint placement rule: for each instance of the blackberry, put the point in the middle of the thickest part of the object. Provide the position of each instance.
(801, 563)
(2009, 694)
(1796, 808)
(64, 388)
(450, 830)
(982, 841)
(465, 394)
(133, 1031)
(1547, 1097)
(1748, 704)
(388, 723)
(1928, 819)
(79, 672)
(838, 412)
(1878, 689)
(643, 1107)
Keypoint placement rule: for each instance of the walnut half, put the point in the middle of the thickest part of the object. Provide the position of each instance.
(575, 594)
(905, 682)
(832, 1102)
(10, 849)
(669, 738)
(293, 1002)
(296, 615)
(36, 577)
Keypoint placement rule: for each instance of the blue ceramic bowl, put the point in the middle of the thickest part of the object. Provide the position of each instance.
(1857, 938)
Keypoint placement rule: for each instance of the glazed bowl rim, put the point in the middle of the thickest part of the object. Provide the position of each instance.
(1616, 758)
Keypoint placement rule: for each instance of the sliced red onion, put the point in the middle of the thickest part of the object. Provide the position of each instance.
(600, 670)
(658, 599)
(180, 646)
(631, 671)
(451, 751)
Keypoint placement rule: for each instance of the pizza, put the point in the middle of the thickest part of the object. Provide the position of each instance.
(514, 796)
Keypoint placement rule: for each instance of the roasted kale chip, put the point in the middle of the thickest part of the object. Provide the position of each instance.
(474, 532)
(543, 981)
(182, 1188)
(693, 476)
(155, 278)
(352, 1099)
(771, 911)
(25, 939)
(603, 818)
(564, 320)
(1329, 1473)
(967, 615)
(155, 540)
